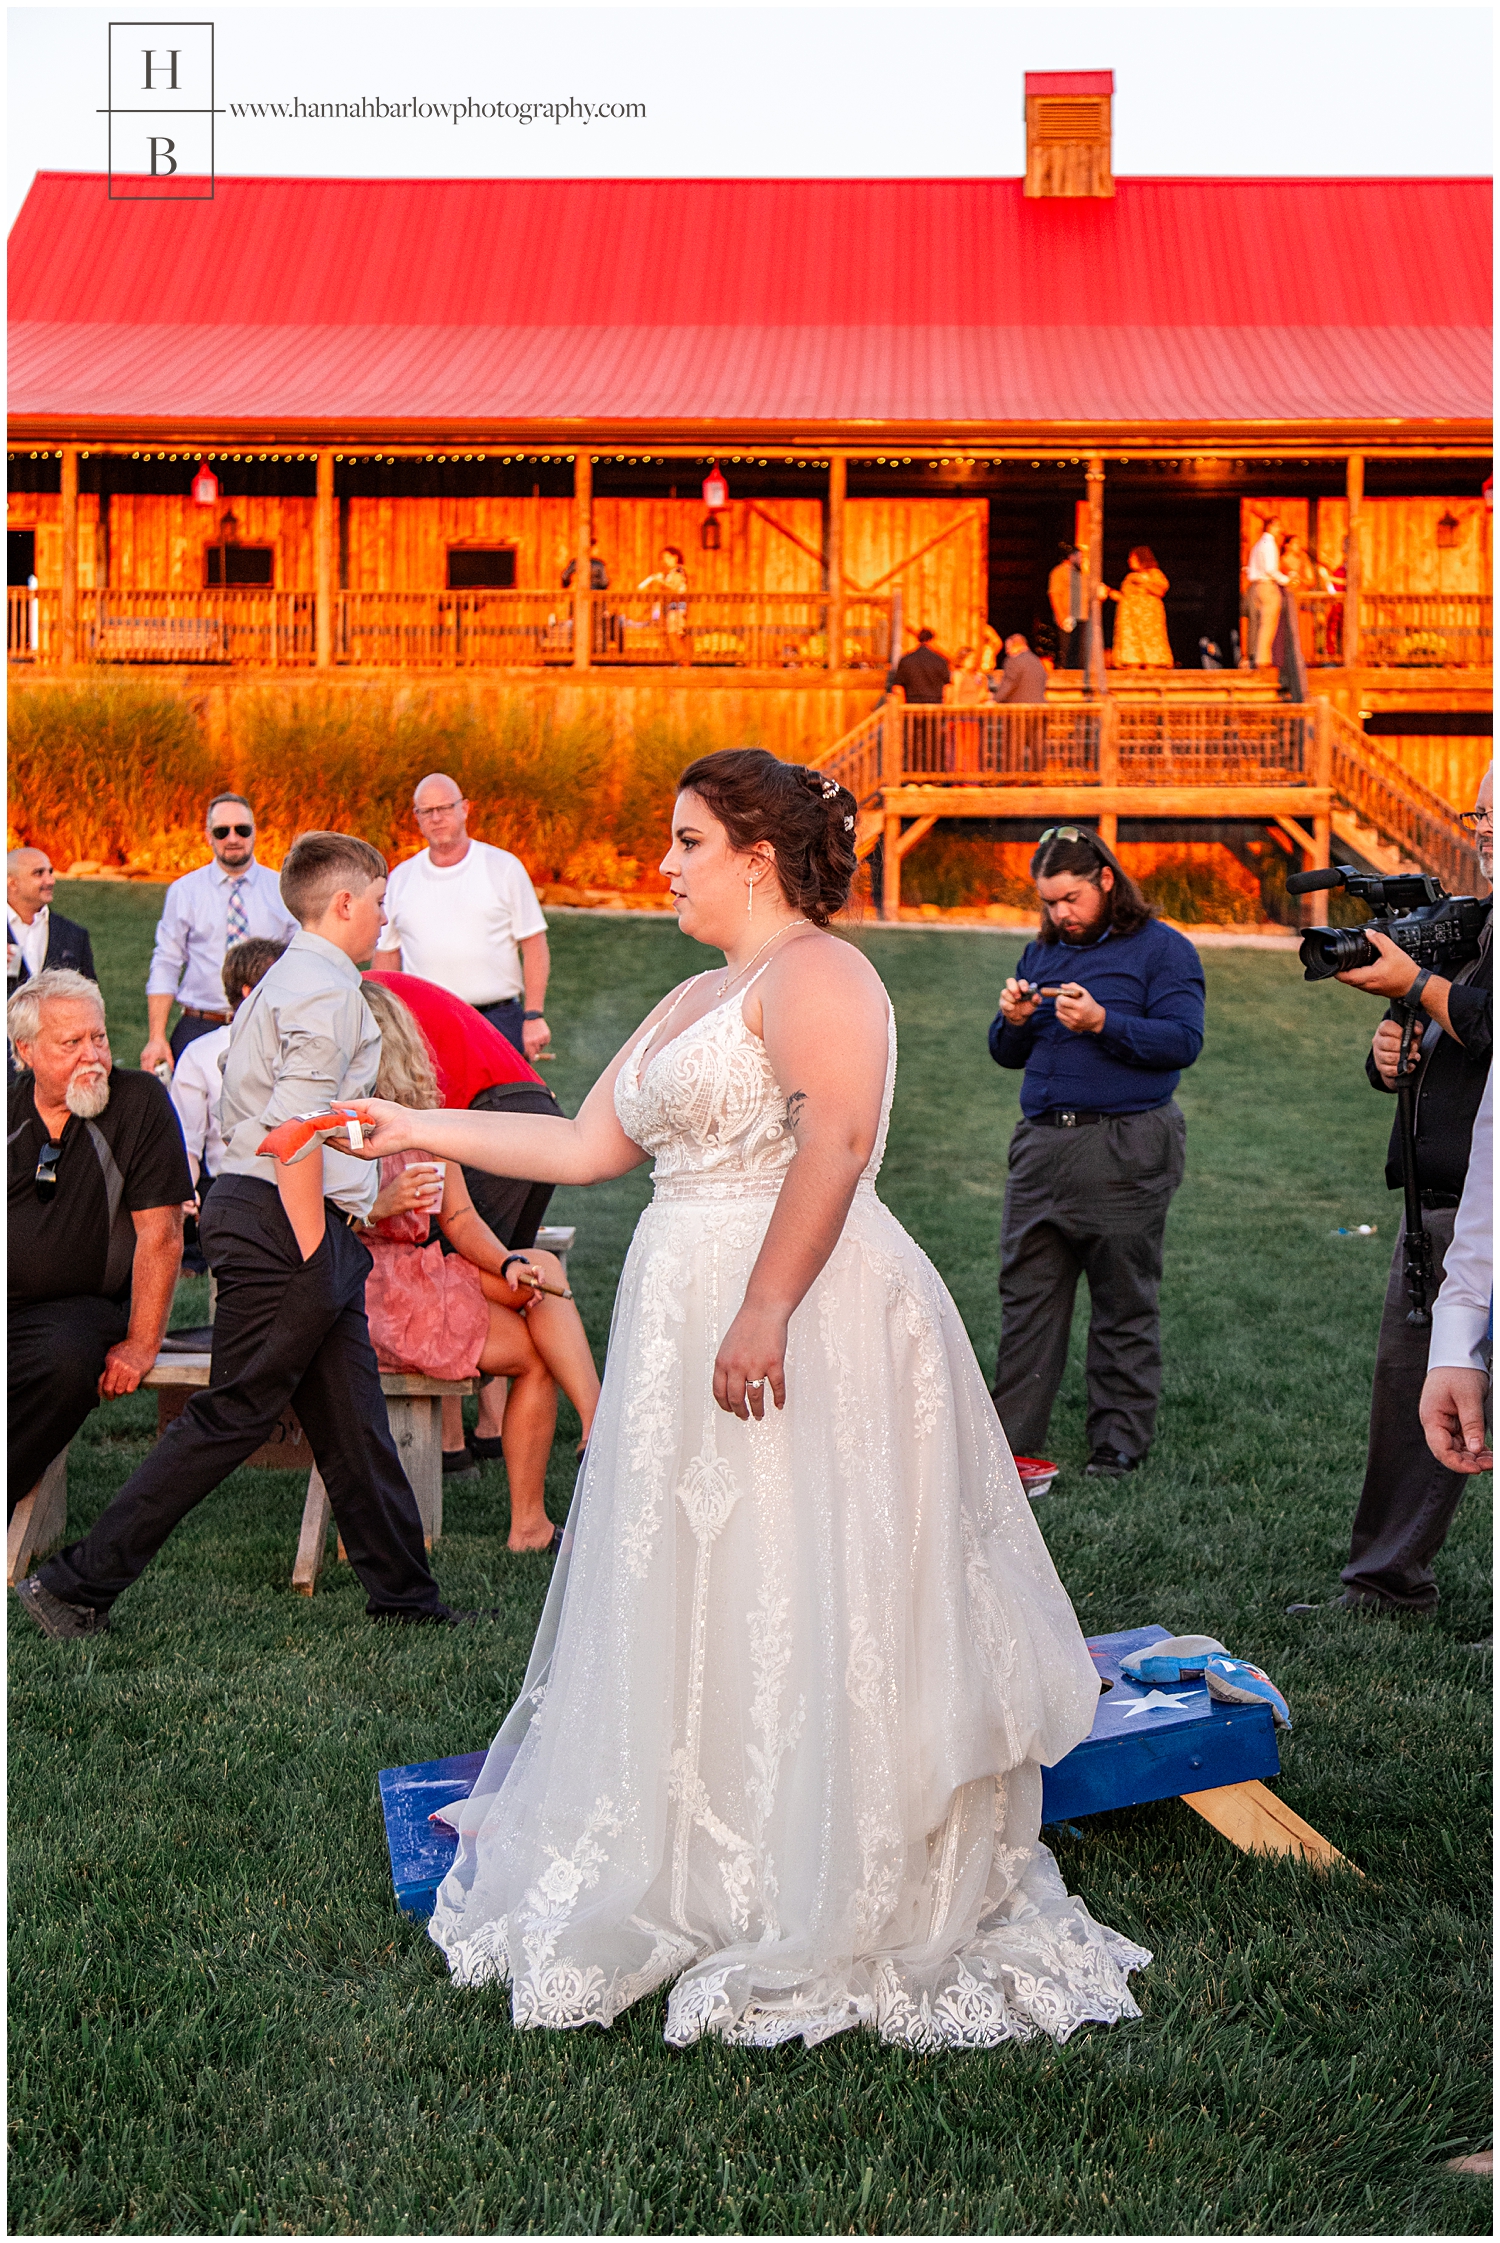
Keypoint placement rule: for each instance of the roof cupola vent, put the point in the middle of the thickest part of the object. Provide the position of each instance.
(1068, 130)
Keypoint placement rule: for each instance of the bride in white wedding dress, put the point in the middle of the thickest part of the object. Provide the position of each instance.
(800, 1668)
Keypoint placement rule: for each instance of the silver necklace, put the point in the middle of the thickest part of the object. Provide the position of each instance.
(730, 979)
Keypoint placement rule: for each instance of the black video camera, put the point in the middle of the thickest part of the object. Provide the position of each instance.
(1411, 909)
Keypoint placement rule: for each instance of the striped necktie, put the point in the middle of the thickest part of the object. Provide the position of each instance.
(236, 924)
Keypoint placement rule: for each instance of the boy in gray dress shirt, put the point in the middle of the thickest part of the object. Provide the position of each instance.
(290, 1323)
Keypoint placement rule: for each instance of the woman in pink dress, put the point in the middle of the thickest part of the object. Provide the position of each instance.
(474, 1309)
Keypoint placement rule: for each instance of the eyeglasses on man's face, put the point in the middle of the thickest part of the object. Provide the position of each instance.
(440, 809)
(46, 1174)
(222, 833)
(1477, 821)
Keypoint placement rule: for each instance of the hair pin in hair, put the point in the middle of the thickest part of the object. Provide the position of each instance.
(830, 789)
(848, 825)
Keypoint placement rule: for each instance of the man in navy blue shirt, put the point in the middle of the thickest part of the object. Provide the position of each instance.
(1104, 1011)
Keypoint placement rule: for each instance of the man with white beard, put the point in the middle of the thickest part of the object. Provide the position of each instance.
(97, 1178)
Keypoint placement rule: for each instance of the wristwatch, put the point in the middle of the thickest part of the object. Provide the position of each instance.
(533, 1016)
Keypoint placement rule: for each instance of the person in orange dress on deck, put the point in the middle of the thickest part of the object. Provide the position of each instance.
(1141, 641)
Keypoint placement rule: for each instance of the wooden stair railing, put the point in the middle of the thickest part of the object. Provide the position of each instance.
(1380, 795)
(1376, 807)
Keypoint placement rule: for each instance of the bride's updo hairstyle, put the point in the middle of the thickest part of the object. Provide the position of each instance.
(808, 819)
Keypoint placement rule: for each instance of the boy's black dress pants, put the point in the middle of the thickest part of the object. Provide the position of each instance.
(285, 1331)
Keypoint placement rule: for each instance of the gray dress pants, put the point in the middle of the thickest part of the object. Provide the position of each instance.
(1089, 1202)
(1408, 1500)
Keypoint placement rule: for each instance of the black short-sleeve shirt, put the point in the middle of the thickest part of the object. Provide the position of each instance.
(129, 1158)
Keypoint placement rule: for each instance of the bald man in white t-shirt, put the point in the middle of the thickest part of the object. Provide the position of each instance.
(465, 915)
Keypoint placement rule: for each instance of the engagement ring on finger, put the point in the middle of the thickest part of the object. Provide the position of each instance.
(753, 1386)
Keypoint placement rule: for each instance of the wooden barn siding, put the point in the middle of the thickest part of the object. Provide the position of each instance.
(1452, 767)
(1398, 543)
(401, 544)
(948, 588)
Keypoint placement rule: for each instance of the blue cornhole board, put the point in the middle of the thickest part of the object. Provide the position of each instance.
(1145, 1744)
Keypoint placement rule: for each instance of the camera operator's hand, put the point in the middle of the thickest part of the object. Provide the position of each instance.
(1452, 1414)
(1018, 1001)
(1392, 973)
(1082, 1014)
(1386, 1051)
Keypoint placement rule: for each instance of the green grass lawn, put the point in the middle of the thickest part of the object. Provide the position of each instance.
(220, 2024)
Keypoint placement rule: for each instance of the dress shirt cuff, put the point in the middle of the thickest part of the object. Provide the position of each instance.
(1460, 1337)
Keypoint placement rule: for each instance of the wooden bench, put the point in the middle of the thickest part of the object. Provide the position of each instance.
(38, 1522)
(413, 1402)
(414, 1405)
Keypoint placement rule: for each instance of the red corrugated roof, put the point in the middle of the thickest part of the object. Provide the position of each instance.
(1048, 82)
(767, 301)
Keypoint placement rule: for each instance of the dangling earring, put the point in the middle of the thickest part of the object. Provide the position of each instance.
(750, 897)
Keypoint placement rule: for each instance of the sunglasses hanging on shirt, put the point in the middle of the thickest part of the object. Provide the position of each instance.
(46, 1174)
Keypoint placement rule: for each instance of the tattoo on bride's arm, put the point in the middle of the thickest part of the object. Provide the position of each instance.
(794, 1109)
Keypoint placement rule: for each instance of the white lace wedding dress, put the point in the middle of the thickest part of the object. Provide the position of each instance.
(782, 1733)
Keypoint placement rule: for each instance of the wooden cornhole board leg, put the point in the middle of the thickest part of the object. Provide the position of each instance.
(1251, 1817)
(39, 1521)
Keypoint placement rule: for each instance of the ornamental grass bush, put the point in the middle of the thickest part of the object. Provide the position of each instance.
(114, 773)
(352, 762)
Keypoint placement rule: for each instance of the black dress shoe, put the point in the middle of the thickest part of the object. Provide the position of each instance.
(488, 1447)
(55, 1618)
(1110, 1464)
(459, 1464)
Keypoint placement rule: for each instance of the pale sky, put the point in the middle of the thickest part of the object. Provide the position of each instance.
(796, 91)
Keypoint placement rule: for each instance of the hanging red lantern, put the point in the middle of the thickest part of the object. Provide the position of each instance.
(206, 485)
(715, 489)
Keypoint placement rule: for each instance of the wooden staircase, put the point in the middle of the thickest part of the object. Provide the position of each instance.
(1304, 767)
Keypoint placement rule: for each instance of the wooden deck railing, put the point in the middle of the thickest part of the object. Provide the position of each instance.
(736, 630)
(256, 626)
(1137, 745)
(30, 624)
(1425, 630)
(452, 630)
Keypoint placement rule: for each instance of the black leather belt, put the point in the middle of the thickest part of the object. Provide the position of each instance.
(1068, 1117)
(1432, 1201)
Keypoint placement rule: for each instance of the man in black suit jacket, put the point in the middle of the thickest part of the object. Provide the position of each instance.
(923, 673)
(36, 936)
(1023, 679)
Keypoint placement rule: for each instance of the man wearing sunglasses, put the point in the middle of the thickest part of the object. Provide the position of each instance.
(227, 901)
(1103, 1012)
(96, 1180)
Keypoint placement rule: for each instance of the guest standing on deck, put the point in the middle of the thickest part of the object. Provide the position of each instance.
(1104, 1011)
(922, 675)
(224, 902)
(1141, 641)
(465, 915)
(1264, 578)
